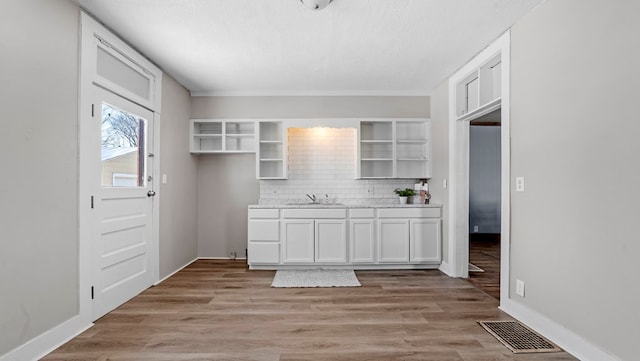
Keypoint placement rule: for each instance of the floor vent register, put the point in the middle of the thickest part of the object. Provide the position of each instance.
(518, 338)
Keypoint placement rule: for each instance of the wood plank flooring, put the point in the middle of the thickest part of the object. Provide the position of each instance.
(484, 252)
(219, 310)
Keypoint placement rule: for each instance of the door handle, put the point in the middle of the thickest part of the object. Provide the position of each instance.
(151, 193)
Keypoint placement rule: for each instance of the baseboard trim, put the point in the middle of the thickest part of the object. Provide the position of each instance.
(446, 269)
(561, 336)
(176, 271)
(48, 341)
(224, 258)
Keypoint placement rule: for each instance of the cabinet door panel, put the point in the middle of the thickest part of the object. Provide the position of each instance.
(425, 240)
(298, 245)
(393, 241)
(331, 241)
(362, 241)
(264, 230)
(264, 253)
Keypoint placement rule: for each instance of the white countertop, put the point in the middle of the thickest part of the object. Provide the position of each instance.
(338, 205)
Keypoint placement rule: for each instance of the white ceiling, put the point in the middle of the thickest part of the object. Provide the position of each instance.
(279, 47)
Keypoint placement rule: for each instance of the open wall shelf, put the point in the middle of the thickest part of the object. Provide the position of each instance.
(222, 136)
(271, 155)
(394, 149)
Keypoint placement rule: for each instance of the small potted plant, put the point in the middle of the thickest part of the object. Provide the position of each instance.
(404, 194)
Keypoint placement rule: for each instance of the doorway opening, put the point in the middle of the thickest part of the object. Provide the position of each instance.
(484, 203)
(485, 78)
(120, 103)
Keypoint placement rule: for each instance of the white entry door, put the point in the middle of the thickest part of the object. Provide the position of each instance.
(123, 201)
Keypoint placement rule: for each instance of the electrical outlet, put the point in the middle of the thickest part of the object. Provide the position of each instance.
(475, 229)
(520, 288)
(444, 183)
(519, 184)
(164, 179)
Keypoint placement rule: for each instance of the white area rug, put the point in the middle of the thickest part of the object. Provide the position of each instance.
(315, 278)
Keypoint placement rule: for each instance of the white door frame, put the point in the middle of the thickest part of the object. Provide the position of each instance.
(458, 263)
(94, 35)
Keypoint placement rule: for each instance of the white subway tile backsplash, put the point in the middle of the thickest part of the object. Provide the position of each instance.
(322, 161)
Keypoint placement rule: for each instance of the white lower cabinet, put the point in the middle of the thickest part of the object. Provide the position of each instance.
(298, 241)
(409, 235)
(424, 238)
(264, 253)
(393, 241)
(314, 241)
(264, 237)
(331, 241)
(364, 237)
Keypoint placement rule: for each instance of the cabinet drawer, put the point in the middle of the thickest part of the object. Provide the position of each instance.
(314, 213)
(264, 230)
(361, 213)
(409, 212)
(264, 253)
(264, 213)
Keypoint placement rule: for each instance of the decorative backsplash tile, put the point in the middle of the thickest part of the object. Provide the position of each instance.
(322, 161)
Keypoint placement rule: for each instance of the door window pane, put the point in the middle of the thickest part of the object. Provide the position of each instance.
(122, 143)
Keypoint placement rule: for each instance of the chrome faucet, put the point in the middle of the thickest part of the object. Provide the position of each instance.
(313, 198)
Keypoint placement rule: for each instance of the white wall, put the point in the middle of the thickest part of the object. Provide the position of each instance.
(39, 158)
(574, 128)
(227, 184)
(178, 197)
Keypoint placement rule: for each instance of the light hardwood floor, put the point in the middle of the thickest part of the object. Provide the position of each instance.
(484, 252)
(219, 310)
